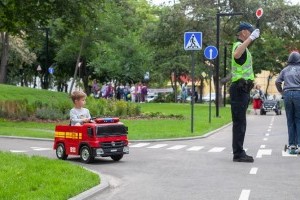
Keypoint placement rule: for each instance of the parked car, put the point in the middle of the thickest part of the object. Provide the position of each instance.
(188, 98)
(151, 97)
(206, 97)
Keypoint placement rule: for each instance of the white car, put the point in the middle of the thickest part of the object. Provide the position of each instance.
(206, 97)
(151, 97)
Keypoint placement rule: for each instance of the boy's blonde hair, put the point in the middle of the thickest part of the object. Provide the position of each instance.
(77, 95)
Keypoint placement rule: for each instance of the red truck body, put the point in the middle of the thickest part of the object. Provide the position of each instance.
(104, 137)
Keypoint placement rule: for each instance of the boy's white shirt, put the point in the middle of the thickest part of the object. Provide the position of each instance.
(77, 115)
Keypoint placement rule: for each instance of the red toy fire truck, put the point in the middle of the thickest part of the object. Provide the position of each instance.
(103, 137)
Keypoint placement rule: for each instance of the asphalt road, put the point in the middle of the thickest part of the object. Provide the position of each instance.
(199, 169)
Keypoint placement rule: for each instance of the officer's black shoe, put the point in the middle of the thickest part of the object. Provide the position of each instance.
(244, 158)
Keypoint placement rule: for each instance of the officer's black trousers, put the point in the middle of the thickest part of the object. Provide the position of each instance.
(239, 104)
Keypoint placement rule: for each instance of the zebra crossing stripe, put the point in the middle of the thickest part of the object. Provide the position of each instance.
(195, 148)
(176, 147)
(245, 195)
(17, 151)
(216, 149)
(157, 146)
(139, 145)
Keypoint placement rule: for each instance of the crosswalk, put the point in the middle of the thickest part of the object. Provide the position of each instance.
(262, 152)
(175, 147)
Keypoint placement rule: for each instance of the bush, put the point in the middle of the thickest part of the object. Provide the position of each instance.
(109, 107)
(17, 109)
(50, 113)
(22, 110)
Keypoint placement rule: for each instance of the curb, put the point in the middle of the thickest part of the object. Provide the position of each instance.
(94, 190)
(26, 138)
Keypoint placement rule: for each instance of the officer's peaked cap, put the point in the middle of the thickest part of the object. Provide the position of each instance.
(245, 26)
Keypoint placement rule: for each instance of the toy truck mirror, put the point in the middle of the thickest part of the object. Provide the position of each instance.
(90, 132)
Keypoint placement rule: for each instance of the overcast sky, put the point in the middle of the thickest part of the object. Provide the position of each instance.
(158, 2)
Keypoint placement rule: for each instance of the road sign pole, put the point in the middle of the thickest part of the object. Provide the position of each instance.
(193, 92)
(209, 112)
(210, 53)
(192, 42)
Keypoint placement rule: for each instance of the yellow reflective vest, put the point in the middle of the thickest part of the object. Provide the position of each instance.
(241, 71)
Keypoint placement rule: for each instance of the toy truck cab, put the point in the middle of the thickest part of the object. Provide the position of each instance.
(106, 137)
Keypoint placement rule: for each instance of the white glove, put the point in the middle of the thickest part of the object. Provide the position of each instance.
(254, 34)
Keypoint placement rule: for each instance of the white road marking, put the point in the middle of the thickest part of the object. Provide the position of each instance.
(139, 145)
(262, 146)
(157, 146)
(195, 148)
(41, 149)
(18, 151)
(253, 170)
(176, 147)
(245, 194)
(286, 154)
(267, 134)
(262, 152)
(270, 126)
(265, 139)
(269, 130)
(216, 149)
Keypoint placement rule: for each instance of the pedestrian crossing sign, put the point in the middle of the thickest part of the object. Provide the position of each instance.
(192, 41)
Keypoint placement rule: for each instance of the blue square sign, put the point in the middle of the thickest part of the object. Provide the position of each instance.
(192, 41)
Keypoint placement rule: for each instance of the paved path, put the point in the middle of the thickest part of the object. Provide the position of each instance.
(195, 169)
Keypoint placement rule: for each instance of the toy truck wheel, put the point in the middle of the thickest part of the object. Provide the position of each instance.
(117, 157)
(86, 154)
(61, 152)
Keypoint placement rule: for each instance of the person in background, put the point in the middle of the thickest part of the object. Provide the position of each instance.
(79, 114)
(144, 92)
(184, 92)
(95, 89)
(257, 98)
(241, 85)
(290, 91)
(133, 93)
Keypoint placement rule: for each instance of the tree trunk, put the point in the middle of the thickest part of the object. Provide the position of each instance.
(76, 67)
(4, 56)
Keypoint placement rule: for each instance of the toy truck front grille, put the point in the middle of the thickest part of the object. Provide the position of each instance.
(111, 130)
(115, 144)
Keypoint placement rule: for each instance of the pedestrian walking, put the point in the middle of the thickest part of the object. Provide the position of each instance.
(257, 97)
(290, 91)
(241, 85)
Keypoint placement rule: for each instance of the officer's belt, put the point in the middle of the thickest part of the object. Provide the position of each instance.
(243, 81)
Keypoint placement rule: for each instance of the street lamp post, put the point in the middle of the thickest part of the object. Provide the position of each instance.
(217, 59)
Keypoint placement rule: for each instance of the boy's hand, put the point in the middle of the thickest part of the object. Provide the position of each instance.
(86, 120)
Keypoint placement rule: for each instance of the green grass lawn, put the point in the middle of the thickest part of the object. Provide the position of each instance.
(24, 177)
(153, 128)
(9, 92)
(173, 128)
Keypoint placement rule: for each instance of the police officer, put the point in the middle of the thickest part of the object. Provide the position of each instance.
(242, 82)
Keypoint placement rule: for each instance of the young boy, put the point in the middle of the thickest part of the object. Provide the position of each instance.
(78, 114)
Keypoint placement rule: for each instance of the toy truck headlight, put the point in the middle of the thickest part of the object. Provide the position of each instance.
(126, 149)
(99, 151)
